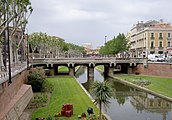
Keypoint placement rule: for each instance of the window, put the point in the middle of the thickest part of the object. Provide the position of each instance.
(152, 44)
(160, 44)
(152, 35)
(160, 35)
(169, 35)
(168, 45)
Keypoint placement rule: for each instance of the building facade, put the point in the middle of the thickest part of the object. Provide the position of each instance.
(151, 37)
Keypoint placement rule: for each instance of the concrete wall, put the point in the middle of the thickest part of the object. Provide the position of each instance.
(154, 69)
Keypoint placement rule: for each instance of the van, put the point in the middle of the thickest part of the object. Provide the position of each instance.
(156, 57)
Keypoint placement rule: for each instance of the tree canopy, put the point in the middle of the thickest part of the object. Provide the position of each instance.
(116, 45)
(14, 16)
(42, 43)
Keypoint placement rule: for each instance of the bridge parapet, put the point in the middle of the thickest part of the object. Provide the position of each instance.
(88, 60)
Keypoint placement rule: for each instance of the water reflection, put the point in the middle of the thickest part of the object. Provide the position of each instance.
(129, 103)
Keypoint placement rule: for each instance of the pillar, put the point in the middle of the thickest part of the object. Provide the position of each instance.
(55, 69)
(110, 71)
(90, 73)
(106, 69)
(71, 71)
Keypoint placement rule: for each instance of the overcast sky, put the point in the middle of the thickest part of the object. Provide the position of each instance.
(89, 21)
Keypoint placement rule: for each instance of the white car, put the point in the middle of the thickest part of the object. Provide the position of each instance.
(161, 58)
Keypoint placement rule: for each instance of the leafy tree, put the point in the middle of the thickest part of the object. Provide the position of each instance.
(36, 78)
(43, 44)
(14, 15)
(116, 45)
(102, 92)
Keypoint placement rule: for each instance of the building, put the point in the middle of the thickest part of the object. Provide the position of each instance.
(88, 48)
(151, 37)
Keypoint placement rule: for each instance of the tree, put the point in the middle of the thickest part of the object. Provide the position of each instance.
(102, 92)
(43, 44)
(36, 78)
(13, 19)
(116, 45)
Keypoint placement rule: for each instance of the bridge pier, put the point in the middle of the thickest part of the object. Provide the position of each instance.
(55, 66)
(72, 71)
(110, 71)
(90, 73)
(106, 69)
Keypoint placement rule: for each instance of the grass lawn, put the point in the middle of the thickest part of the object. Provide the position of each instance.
(158, 84)
(63, 69)
(100, 67)
(66, 90)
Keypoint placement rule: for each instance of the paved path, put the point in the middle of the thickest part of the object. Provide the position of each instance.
(4, 75)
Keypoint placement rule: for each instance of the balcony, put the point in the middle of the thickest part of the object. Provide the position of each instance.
(161, 48)
(152, 48)
(152, 38)
(168, 38)
(160, 38)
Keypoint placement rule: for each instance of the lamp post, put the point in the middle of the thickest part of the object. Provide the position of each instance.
(9, 60)
(105, 39)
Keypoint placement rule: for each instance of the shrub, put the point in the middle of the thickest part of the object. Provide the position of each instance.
(36, 78)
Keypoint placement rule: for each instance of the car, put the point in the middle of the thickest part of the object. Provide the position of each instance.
(156, 58)
(160, 58)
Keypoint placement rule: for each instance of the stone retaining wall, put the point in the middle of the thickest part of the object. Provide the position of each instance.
(154, 69)
(9, 91)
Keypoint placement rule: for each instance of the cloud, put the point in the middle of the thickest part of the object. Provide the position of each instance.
(80, 21)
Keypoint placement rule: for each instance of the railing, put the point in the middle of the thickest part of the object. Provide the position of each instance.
(15, 69)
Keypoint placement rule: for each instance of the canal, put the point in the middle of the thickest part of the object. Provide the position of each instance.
(129, 103)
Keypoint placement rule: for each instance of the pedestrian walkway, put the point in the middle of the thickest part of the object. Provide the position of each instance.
(15, 69)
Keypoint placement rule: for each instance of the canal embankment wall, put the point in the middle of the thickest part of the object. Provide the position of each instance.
(14, 97)
(154, 69)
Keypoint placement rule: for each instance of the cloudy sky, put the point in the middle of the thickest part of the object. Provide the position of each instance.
(89, 21)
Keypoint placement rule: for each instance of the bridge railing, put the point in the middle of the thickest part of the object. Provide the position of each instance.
(4, 74)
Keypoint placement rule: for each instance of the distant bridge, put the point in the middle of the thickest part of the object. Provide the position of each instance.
(88, 60)
(71, 62)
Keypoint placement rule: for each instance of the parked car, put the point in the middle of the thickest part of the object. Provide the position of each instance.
(156, 57)
(160, 58)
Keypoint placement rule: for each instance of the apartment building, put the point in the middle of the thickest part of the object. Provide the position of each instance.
(151, 37)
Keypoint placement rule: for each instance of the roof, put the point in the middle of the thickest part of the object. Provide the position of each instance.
(164, 25)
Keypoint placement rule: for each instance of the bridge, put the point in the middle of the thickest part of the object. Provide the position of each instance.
(109, 63)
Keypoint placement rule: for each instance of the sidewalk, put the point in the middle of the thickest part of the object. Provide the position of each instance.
(4, 75)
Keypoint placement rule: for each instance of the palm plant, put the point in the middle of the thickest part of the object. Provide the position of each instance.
(101, 92)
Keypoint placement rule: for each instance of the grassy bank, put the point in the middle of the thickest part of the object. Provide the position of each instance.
(100, 67)
(157, 84)
(63, 69)
(66, 90)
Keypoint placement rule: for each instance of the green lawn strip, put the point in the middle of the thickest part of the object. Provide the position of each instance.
(76, 68)
(100, 67)
(158, 84)
(63, 69)
(66, 90)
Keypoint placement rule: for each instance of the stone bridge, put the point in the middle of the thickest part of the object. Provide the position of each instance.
(109, 63)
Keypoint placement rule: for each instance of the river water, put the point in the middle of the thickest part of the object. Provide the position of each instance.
(129, 103)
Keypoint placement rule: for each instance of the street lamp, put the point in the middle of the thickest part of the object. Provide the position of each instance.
(105, 39)
(9, 60)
